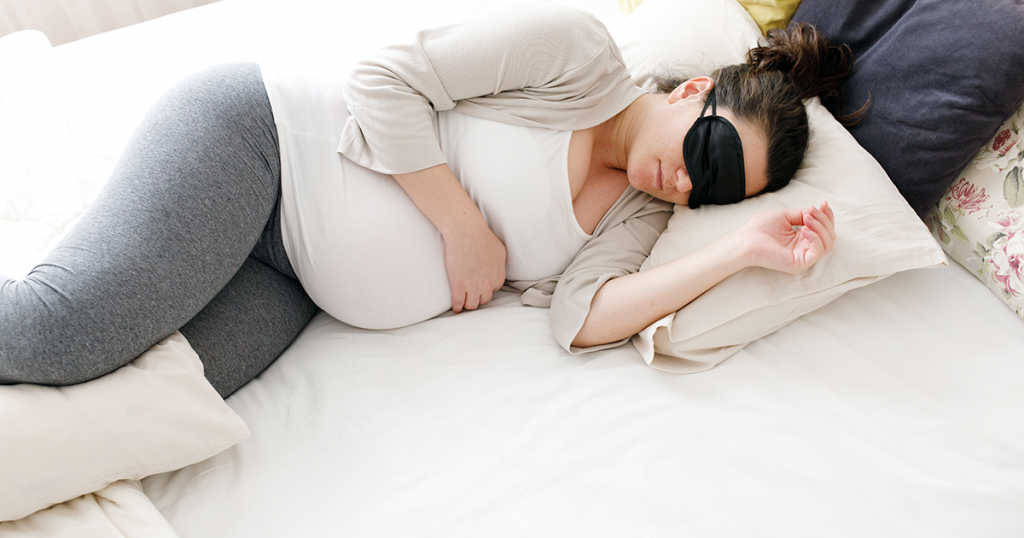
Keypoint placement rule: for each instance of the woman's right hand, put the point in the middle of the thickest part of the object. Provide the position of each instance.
(473, 256)
(475, 261)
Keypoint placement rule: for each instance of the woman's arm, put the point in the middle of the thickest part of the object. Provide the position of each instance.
(787, 240)
(474, 257)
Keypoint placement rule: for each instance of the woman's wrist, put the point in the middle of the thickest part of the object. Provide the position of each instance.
(460, 222)
(735, 251)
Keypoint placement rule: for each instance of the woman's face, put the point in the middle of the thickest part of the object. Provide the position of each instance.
(655, 161)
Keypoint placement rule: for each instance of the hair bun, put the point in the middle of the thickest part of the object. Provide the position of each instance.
(814, 64)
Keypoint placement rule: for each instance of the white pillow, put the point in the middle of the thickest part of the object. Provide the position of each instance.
(877, 232)
(155, 414)
(120, 510)
(685, 37)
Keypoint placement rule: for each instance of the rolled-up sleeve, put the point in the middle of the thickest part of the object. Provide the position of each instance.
(618, 252)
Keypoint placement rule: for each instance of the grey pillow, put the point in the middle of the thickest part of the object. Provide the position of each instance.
(942, 75)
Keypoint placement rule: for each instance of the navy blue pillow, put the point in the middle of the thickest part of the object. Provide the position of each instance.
(942, 76)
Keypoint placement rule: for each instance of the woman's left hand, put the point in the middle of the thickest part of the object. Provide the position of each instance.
(789, 240)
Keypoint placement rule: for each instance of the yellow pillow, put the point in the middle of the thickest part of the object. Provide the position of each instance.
(629, 5)
(767, 14)
(770, 14)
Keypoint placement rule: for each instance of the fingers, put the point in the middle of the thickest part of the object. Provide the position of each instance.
(795, 217)
(818, 222)
(823, 213)
(476, 300)
(816, 249)
(830, 219)
(470, 301)
(458, 301)
(827, 209)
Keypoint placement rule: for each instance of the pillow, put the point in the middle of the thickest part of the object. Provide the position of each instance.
(155, 414)
(878, 233)
(120, 510)
(767, 14)
(629, 5)
(942, 76)
(688, 37)
(770, 14)
(980, 220)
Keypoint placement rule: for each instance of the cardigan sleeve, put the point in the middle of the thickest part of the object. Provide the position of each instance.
(551, 67)
(617, 252)
(622, 241)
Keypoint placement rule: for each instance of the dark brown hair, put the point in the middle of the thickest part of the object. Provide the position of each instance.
(768, 90)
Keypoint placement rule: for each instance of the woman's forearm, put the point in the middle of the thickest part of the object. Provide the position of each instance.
(440, 197)
(626, 305)
(787, 240)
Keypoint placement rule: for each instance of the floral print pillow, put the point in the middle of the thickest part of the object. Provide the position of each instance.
(980, 220)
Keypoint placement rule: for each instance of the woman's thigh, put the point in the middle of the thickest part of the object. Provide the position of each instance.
(248, 324)
(187, 201)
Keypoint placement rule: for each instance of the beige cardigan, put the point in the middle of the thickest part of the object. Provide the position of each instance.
(550, 67)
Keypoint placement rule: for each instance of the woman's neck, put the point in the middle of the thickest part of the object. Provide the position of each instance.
(614, 138)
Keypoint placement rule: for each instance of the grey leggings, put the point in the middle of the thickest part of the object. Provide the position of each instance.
(185, 236)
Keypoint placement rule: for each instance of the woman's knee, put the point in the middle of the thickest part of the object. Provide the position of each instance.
(42, 342)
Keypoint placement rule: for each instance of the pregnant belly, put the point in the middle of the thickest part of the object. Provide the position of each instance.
(372, 259)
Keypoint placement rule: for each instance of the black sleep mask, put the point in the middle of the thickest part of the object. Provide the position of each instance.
(714, 159)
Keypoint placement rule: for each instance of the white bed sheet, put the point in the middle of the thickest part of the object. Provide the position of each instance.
(897, 410)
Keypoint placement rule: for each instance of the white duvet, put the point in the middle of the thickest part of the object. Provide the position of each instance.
(897, 410)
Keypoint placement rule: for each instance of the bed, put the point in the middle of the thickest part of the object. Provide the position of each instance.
(895, 409)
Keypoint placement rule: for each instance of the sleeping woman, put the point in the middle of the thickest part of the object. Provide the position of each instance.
(513, 150)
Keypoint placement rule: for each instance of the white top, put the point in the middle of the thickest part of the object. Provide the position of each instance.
(519, 178)
(363, 251)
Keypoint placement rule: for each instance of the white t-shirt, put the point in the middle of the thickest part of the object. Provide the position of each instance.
(363, 251)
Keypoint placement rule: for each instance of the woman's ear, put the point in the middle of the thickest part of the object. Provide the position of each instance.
(694, 86)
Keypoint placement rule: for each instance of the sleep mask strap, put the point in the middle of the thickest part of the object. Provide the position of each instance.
(713, 154)
(711, 100)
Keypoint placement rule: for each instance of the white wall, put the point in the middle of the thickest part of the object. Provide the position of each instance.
(68, 20)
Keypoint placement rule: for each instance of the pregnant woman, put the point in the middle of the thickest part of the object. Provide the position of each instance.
(512, 150)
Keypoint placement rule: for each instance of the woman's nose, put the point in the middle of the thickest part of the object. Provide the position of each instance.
(683, 180)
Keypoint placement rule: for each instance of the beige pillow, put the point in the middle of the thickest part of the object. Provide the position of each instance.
(877, 234)
(156, 414)
(120, 510)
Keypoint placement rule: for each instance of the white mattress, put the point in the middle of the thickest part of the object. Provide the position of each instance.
(897, 410)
